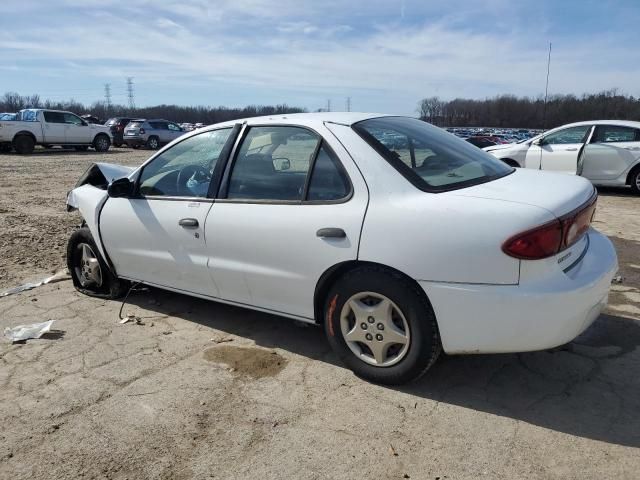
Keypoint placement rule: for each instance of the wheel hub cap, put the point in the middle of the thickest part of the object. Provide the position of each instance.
(375, 329)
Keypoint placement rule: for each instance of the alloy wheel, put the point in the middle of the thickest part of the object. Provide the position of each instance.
(87, 267)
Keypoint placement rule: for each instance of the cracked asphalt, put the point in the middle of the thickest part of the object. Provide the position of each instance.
(202, 390)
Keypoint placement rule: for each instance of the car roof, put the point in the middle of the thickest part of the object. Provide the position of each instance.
(621, 123)
(308, 119)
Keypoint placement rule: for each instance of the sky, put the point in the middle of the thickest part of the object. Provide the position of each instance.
(385, 55)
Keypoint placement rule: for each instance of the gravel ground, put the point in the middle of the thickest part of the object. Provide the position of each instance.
(202, 390)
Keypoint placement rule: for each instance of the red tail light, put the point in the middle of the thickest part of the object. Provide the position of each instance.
(141, 131)
(549, 239)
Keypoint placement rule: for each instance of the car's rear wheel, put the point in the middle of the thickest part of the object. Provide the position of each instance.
(101, 143)
(635, 181)
(24, 144)
(88, 270)
(381, 326)
(153, 143)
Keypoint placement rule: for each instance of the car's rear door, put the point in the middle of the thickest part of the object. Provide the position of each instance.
(158, 235)
(559, 150)
(613, 149)
(54, 127)
(291, 206)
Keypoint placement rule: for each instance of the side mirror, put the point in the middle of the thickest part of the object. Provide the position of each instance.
(280, 164)
(539, 142)
(122, 187)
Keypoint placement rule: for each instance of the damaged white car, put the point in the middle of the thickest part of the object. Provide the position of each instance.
(400, 239)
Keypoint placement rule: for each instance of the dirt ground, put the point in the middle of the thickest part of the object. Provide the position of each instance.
(203, 390)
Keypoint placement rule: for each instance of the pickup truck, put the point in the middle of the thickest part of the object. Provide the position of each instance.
(52, 127)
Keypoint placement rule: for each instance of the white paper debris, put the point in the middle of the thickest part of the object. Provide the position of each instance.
(24, 332)
(59, 276)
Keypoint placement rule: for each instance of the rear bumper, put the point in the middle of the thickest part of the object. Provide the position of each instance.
(535, 315)
(134, 140)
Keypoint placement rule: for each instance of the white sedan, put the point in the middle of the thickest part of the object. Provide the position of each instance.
(399, 238)
(607, 152)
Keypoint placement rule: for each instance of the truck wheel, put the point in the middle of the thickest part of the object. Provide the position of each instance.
(82, 148)
(153, 143)
(24, 145)
(88, 270)
(101, 143)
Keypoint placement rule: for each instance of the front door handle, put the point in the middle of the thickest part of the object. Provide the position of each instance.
(331, 233)
(188, 223)
(571, 149)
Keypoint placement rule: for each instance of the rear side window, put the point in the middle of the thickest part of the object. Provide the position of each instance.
(429, 157)
(272, 164)
(328, 179)
(614, 133)
(54, 117)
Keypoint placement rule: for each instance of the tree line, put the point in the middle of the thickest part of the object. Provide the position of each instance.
(13, 102)
(526, 112)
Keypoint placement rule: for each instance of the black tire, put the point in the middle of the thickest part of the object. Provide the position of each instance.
(110, 286)
(153, 142)
(24, 144)
(82, 148)
(424, 345)
(117, 144)
(135, 147)
(634, 180)
(101, 143)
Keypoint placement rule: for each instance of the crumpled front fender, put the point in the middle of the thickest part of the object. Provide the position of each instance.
(89, 200)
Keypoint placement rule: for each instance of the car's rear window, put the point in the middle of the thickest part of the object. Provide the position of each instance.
(134, 124)
(429, 157)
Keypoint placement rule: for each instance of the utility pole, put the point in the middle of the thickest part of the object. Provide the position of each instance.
(107, 96)
(546, 91)
(132, 103)
(348, 104)
(328, 105)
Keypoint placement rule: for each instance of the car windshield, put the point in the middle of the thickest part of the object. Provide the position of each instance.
(429, 157)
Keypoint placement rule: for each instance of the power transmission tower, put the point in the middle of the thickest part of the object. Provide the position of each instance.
(132, 103)
(348, 104)
(107, 95)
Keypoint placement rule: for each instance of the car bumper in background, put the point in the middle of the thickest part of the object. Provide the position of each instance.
(535, 315)
(134, 140)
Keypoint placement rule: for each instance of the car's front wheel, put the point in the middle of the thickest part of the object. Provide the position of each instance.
(381, 326)
(88, 270)
(635, 181)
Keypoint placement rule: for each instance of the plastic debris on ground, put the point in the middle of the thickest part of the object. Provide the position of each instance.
(25, 332)
(57, 277)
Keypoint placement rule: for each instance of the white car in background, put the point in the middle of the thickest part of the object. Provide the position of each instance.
(606, 152)
(401, 239)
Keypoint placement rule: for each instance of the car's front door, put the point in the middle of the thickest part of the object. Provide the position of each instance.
(559, 150)
(174, 131)
(291, 207)
(613, 149)
(78, 131)
(158, 235)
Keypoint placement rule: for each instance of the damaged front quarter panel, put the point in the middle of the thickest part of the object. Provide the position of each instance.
(90, 194)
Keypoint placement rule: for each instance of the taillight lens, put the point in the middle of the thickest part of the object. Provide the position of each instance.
(551, 238)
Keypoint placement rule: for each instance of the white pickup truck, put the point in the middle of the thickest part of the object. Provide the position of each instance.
(52, 127)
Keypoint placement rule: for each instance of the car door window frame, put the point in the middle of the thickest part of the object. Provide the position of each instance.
(223, 190)
(216, 176)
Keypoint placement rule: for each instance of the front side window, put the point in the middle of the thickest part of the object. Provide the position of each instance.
(174, 127)
(614, 133)
(72, 119)
(54, 117)
(272, 164)
(429, 157)
(184, 170)
(568, 135)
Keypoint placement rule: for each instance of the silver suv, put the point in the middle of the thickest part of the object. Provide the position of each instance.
(151, 133)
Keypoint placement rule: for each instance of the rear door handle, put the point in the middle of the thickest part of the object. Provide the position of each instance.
(188, 223)
(572, 149)
(331, 233)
